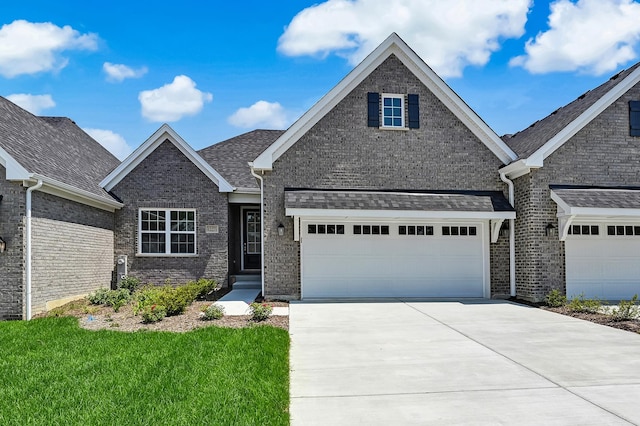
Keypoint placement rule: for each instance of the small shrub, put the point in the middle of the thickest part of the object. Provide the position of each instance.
(213, 312)
(555, 299)
(626, 310)
(580, 304)
(145, 297)
(99, 297)
(260, 311)
(175, 300)
(118, 298)
(130, 283)
(153, 313)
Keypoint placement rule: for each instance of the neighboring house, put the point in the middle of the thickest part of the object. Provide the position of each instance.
(577, 187)
(390, 186)
(56, 221)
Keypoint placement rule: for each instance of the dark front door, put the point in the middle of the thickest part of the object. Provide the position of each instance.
(251, 239)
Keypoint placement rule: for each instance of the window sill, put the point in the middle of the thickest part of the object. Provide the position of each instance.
(165, 255)
(402, 129)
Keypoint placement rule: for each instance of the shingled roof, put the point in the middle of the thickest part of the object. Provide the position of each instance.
(487, 202)
(55, 148)
(528, 141)
(231, 157)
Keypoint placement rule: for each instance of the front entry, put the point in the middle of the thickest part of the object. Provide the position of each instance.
(251, 239)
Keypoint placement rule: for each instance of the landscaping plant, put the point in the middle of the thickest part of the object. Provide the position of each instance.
(130, 283)
(626, 310)
(555, 299)
(213, 312)
(580, 304)
(260, 311)
(153, 313)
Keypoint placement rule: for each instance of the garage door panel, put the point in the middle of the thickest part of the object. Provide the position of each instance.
(392, 266)
(603, 266)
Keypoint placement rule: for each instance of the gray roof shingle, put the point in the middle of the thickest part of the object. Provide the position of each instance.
(54, 147)
(527, 141)
(230, 157)
(609, 198)
(406, 201)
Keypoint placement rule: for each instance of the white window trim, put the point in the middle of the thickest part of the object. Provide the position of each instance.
(168, 233)
(403, 125)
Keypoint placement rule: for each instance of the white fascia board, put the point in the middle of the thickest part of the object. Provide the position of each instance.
(244, 198)
(392, 45)
(154, 141)
(397, 214)
(69, 192)
(14, 170)
(585, 118)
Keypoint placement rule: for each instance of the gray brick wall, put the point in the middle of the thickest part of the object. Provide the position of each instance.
(51, 207)
(68, 260)
(12, 210)
(167, 179)
(601, 154)
(340, 151)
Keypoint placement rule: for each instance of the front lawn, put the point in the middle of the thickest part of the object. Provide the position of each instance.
(53, 372)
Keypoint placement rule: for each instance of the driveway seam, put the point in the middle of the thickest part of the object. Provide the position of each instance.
(422, 393)
(516, 362)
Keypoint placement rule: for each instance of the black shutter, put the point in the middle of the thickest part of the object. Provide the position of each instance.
(414, 111)
(373, 100)
(634, 118)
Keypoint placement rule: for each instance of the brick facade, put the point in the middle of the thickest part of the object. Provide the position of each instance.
(601, 154)
(12, 211)
(68, 260)
(168, 179)
(341, 152)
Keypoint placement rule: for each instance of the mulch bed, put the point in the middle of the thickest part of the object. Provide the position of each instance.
(604, 319)
(93, 317)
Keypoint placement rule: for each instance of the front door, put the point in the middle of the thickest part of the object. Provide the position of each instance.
(251, 239)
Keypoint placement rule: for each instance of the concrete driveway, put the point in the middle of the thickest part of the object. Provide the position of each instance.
(475, 362)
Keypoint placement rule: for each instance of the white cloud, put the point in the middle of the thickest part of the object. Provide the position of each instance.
(29, 48)
(592, 36)
(448, 35)
(173, 101)
(113, 142)
(264, 114)
(118, 72)
(32, 103)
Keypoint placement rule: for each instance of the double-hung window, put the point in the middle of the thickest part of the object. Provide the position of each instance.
(392, 110)
(167, 232)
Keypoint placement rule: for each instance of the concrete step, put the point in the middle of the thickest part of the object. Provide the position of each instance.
(247, 285)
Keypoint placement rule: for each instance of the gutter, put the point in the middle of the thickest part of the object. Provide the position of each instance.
(28, 248)
(512, 237)
(257, 176)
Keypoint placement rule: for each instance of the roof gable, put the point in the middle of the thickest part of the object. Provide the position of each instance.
(164, 133)
(393, 45)
(231, 157)
(534, 144)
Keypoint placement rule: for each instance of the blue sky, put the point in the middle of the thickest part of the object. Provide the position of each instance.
(213, 70)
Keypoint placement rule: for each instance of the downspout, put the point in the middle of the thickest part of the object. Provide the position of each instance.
(257, 176)
(512, 237)
(28, 247)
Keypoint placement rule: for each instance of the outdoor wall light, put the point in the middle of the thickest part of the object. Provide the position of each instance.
(281, 229)
(549, 230)
(504, 229)
(3, 245)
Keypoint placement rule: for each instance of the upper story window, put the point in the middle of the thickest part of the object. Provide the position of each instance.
(392, 110)
(167, 232)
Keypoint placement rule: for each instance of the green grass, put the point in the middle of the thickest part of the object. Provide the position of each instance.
(52, 372)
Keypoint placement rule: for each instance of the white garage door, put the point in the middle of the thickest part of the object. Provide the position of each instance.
(603, 261)
(347, 259)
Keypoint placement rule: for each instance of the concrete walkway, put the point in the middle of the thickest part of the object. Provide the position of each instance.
(237, 302)
(476, 362)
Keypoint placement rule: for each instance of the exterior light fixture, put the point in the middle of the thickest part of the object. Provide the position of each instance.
(281, 229)
(3, 245)
(549, 230)
(504, 229)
